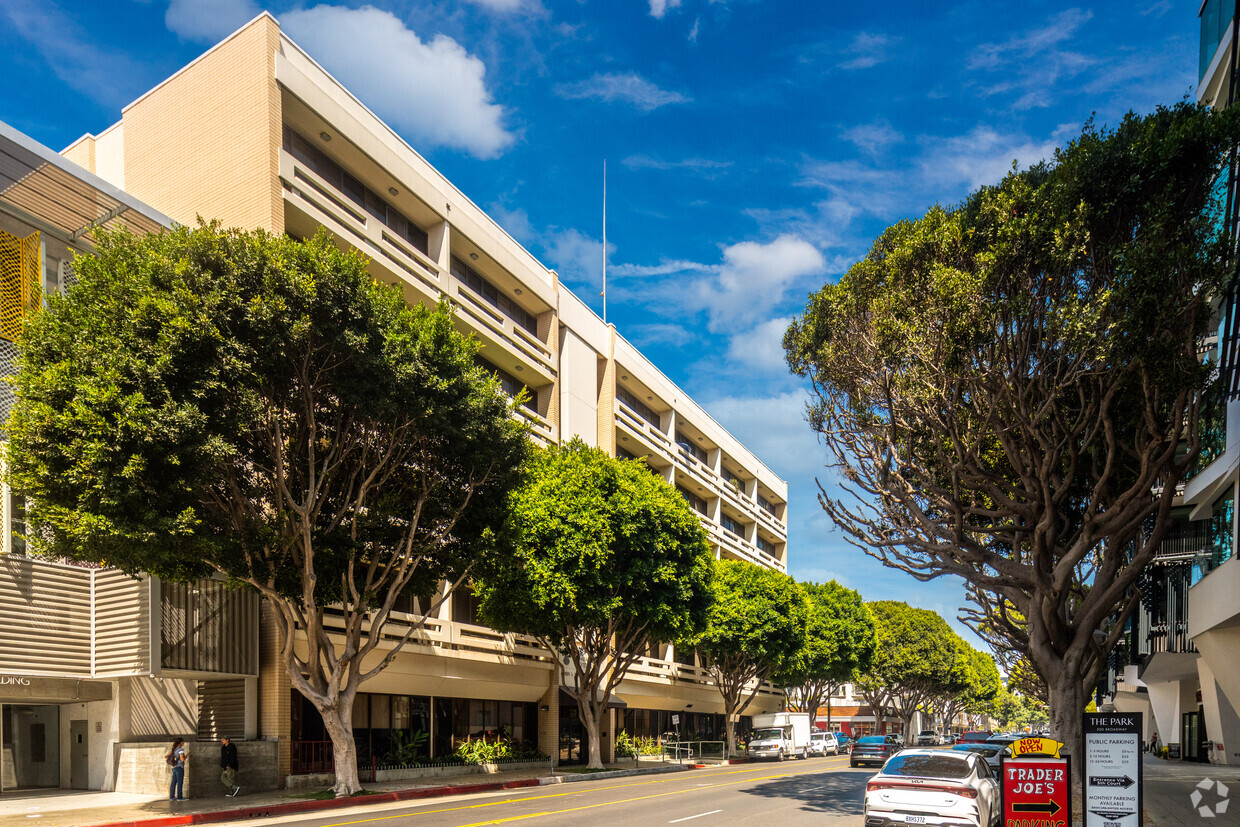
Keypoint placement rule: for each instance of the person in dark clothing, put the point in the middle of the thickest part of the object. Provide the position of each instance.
(228, 762)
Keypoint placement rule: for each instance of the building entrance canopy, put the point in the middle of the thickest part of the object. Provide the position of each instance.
(34, 689)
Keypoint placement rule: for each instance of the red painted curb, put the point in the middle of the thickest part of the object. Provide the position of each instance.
(310, 806)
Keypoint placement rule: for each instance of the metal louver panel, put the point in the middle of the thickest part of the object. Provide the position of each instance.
(221, 709)
(45, 618)
(122, 624)
(208, 627)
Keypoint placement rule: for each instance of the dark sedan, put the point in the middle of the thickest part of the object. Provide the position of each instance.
(873, 749)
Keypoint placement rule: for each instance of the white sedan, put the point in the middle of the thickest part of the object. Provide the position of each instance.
(924, 786)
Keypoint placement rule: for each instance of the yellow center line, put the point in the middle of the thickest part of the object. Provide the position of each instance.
(673, 777)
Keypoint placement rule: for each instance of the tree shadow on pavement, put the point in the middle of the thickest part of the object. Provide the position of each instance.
(837, 793)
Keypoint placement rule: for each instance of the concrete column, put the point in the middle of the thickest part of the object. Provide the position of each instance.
(439, 248)
(607, 395)
(275, 691)
(609, 737)
(1220, 652)
(1165, 701)
(1222, 722)
(251, 709)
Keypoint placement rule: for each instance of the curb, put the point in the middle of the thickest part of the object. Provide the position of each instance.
(238, 813)
(592, 776)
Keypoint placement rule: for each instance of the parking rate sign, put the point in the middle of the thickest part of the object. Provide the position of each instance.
(1037, 792)
(1113, 769)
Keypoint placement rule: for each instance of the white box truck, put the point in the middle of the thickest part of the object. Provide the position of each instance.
(780, 735)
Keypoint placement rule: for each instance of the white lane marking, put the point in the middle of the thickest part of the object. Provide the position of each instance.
(699, 815)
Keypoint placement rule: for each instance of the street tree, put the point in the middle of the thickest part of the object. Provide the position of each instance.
(216, 401)
(757, 624)
(606, 559)
(839, 645)
(915, 661)
(1009, 390)
(980, 685)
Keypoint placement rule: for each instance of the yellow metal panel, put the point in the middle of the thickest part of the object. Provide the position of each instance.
(21, 292)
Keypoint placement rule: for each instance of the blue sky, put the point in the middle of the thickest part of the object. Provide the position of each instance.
(754, 147)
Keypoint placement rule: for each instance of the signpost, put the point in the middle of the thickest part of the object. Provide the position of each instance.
(1113, 771)
(1037, 792)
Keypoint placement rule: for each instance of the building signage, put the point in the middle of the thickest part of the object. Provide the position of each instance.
(14, 680)
(1037, 792)
(1046, 747)
(1113, 772)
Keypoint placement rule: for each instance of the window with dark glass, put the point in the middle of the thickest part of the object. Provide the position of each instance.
(732, 526)
(357, 192)
(478, 283)
(687, 445)
(623, 454)
(638, 407)
(766, 546)
(766, 505)
(733, 479)
(511, 385)
(465, 606)
(695, 502)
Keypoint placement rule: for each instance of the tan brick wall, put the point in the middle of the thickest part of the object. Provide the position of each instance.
(82, 153)
(607, 397)
(274, 691)
(549, 721)
(206, 141)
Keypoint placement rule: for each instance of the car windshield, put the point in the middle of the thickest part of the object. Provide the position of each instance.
(819, 736)
(769, 734)
(872, 739)
(944, 765)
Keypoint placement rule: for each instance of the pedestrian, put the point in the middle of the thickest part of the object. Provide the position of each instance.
(176, 758)
(228, 763)
(1154, 744)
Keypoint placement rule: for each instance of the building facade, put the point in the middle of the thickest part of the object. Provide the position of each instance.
(255, 134)
(1179, 661)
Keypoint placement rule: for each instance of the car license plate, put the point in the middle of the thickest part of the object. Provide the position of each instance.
(915, 819)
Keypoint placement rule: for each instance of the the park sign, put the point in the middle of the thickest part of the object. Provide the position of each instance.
(1113, 771)
(1037, 792)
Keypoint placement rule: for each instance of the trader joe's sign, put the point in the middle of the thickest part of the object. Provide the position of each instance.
(1037, 792)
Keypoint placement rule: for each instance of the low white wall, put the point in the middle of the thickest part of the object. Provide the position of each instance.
(320, 780)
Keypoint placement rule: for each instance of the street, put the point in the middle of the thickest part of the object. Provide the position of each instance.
(818, 791)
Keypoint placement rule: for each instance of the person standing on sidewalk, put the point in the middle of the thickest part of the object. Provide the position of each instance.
(228, 763)
(176, 758)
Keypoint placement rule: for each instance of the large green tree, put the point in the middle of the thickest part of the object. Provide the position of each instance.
(1009, 389)
(218, 401)
(839, 645)
(915, 661)
(757, 625)
(979, 683)
(607, 558)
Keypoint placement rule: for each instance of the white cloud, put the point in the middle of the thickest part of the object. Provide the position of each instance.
(983, 156)
(762, 348)
(208, 20)
(577, 257)
(706, 165)
(515, 221)
(665, 334)
(773, 427)
(510, 6)
(872, 138)
(866, 50)
(617, 87)
(434, 92)
(658, 8)
(1030, 67)
(1062, 27)
(753, 279)
(693, 32)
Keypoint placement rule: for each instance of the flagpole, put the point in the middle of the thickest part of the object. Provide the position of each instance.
(604, 240)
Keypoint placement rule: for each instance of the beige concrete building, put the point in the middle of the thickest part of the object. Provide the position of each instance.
(255, 134)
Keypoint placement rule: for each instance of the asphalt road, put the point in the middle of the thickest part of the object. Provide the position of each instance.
(819, 791)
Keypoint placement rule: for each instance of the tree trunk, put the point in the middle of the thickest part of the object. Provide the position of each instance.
(729, 733)
(591, 718)
(1067, 706)
(828, 711)
(338, 722)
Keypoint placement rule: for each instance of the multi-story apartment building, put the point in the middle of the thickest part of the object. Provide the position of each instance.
(1185, 641)
(256, 134)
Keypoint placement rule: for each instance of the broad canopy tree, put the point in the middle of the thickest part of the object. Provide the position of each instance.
(606, 559)
(209, 401)
(916, 660)
(981, 683)
(1009, 389)
(839, 645)
(757, 625)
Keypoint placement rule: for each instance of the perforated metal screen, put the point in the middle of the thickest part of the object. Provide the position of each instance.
(20, 279)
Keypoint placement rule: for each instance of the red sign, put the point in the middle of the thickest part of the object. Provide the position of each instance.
(1037, 793)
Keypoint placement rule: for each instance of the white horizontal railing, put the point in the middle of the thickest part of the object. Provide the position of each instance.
(447, 635)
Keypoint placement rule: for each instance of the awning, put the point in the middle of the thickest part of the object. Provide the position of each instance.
(37, 689)
(569, 696)
(55, 195)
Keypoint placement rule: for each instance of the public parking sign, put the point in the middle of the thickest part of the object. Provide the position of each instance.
(1037, 792)
(1113, 772)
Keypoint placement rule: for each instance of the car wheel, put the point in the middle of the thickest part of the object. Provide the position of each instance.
(804, 754)
(852, 764)
(779, 756)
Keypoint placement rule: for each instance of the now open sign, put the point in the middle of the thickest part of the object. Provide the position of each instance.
(1037, 792)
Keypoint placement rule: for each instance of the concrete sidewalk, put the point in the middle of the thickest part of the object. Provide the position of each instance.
(1169, 788)
(73, 808)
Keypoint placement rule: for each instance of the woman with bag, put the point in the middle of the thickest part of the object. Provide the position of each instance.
(176, 758)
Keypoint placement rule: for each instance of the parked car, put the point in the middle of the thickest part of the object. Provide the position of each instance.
(928, 738)
(987, 751)
(975, 736)
(923, 786)
(845, 742)
(823, 744)
(949, 737)
(1002, 746)
(873, 749)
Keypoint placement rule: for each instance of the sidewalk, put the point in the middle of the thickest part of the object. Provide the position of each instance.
(1169, 787)
(73, 808)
